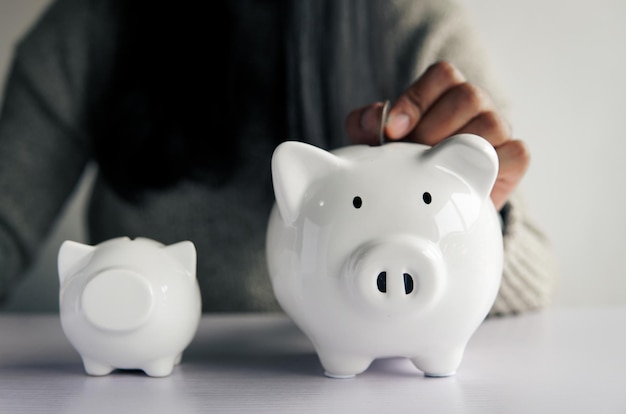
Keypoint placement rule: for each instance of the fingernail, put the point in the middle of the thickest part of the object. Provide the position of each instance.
(397, 125)
(369, 120)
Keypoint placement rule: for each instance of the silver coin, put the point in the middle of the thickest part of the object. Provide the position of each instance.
(384, 117)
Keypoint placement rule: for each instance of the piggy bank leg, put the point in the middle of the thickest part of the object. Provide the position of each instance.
(442, 364)
(342, 365)
(161, 367)
(96, 368)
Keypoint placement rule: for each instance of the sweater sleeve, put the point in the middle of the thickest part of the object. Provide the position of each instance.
(42, 149)
(530, 270)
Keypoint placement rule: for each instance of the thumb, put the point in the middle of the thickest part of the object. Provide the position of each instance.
(363, 124)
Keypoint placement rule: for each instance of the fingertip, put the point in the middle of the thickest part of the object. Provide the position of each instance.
(397, 125)
(514, 158)
(514, 150)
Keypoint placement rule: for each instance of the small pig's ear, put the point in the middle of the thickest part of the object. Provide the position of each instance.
(185, 253)
(70, 254)
(295, 166)
(470, 156)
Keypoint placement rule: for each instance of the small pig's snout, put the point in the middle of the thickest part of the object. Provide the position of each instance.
(395, 273)
(117, 300)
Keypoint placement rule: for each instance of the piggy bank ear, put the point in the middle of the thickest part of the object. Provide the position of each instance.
(295, 166)
(470, 156)
(185, 253)
(70, 254)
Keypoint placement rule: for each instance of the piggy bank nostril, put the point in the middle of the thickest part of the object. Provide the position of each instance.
(381, 282)
(408, 283)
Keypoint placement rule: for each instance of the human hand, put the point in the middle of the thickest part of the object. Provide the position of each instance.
(441, 103)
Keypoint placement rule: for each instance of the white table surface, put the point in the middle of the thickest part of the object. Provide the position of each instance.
(555, 361)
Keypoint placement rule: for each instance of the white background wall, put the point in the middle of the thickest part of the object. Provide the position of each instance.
(563, 63)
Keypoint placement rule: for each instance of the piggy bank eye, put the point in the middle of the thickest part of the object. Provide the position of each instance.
(427, 197)
(357, 202)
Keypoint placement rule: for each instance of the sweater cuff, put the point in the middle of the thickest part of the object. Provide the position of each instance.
(503, 214)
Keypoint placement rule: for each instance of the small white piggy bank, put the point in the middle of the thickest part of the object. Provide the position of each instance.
(387, 251)
(129, 304)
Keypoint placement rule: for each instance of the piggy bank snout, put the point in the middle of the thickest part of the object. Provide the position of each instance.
(117, 300)
(397, 273)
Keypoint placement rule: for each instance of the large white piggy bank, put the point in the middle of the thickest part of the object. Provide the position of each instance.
(387, 251)
(129, 304)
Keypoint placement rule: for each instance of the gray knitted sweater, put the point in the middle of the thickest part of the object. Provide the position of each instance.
(45, 147)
